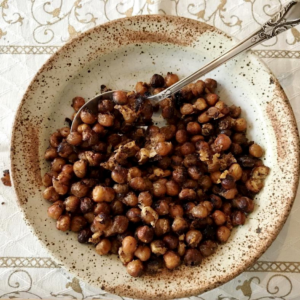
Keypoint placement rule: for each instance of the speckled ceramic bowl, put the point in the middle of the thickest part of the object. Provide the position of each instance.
(118, 54)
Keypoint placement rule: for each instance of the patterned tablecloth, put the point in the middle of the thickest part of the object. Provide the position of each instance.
(30, 31)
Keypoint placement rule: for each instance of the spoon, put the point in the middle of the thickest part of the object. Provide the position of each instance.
(286, 18)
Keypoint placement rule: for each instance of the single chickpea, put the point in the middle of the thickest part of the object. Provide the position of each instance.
(79, 189)
(145, 198)
(210, 83)
(117, 207)
(47, 178)
(163, 148)
(200, 104)
(125, 258)
(120, 224)
(141, 87)
(198, 88)
(195, 173)
(158, 247)
(208, 247)
(84, 235)
(179, 225)
(186, 109)
(228, 182)
(159, 189)
(187, 195)
(181, 136)
(162, 226)
(63, 223)
(129, 244)
(193, 238)
(219, 217)
(102, 207)
(135, 268)
(203, 118)
(157, 81)
(171, 259)
(55, 139)
(101, 193)
(170, 79)
(179, 175)
(56, 210)
(176, 210)
(74, 138)
(77, 103)
(72, 203)
(78, 223)
(145, 234)
(172, 187)
(50, 194)
(50, 153)
(244, 204)
(223, 234)
(80, 168)
(106, 120)
(171, 241)
(256, 150)
(236, 171)
(87, 116)
(223, 141)
(187, 148)
(103, 247)
(138, 184)
(211, 99)
(143, 252)
(238, 218)
(181, 248)
(120, 97)
(193, 128)
(149, 215)
(240, 125)
(119, 174)
(192, 257)
(162, 207)
(199, 211)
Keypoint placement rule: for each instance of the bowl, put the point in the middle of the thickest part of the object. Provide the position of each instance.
(118, 54)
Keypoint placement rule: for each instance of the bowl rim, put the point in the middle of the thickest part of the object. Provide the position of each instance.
(294, 133)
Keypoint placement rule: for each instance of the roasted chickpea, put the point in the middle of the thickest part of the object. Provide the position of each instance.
(205, 182)
(223, 234)
(106, 120)
(211, 99)
(141, 88)
(103, 247)
(133, 172)
(74, 138)
(171, 259)
(134, 215)
(236, 171)
(219, 217)
(176, 210)
(162, 207)
(179, 225)
(102, 207)
(78, 223)
(193, 128)
(208, 247)
(187, 195)
(145, 234)
(120, 97)
(198, 88)
(157, 81)
(203, 118)
(172, 187)
(193, 238)
(187, 148)
(50, 194)
(119, 174)
(162, 226)
(63, 223)
(47, 178)
(129, 244)
(199, 211)
(200, 104)
(192, 257)
(101, 193)
(187, 109)
(163, 148)
(64, 149)
(158, 247)
(120, 224)
(240, 125)
(216, 201)
(55, 139)
(135, 268)
(87, 116)
(80, 168)
(79, 189)
(179, 174)
(256, 151)
(222, 142)
(56, 210)
(210, 83)
(125, 258)
(77, 103)
(171, 241)
(121, 188)
(195, 173)
(228, 182)
(86, 205)
(51, 153)
(138, 184)
(149, 215)
(159, 189)
(238, 218)
(239, 139)
(145, 198)
(181, 136)
(60, 184)
(143, 252)
(117, 207)
(170, 79)
(84, 235)
(244, 204)
(106, 106)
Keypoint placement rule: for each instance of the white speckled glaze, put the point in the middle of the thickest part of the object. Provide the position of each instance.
(118, 54)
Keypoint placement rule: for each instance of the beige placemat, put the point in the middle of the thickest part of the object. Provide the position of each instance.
(30, 31)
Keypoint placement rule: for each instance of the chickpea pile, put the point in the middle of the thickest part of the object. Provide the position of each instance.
(157, 197)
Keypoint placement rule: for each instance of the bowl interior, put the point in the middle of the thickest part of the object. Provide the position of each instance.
(118, 54)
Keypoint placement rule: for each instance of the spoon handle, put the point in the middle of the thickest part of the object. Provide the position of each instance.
(277, 24)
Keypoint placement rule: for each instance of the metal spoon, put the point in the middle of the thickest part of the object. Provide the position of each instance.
(286, 18)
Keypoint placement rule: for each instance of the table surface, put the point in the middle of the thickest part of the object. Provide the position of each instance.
(30, 31)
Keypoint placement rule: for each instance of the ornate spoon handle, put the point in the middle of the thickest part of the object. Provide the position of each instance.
(277, 24)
